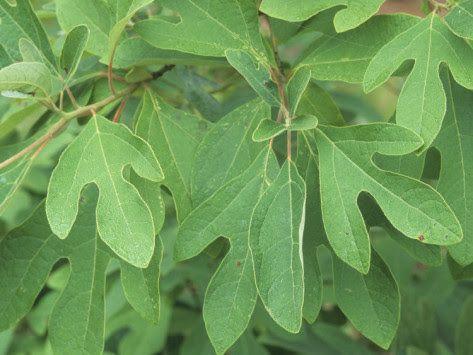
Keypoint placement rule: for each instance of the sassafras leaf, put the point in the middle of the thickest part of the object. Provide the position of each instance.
(454, 143)
(346, 169)
(460, 19)
(221, 26)
(99, 155)
(422, 102)
(76, 323)
(353, 14)
(275, 237)
(371, 302)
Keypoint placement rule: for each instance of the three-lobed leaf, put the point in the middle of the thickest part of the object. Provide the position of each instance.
(99, 155)
(422, 102)
(354, 13)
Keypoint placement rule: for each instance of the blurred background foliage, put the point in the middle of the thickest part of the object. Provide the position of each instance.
(437, 310)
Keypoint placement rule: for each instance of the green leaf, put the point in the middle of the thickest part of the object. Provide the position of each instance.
(256, 73)
(296, 87)
(73, 48)
(460, 19)
(463, 339)
(422, 102)
(346, 169)
(95, 14)
(174, 136)
(221, 25)
(268, 129)
(354, 13)
(135, 51)
(346, 56)
(216, 161)
(371, 302)
(314, 234)
(456, 174)
(124, 10)
(318, 102)
(29, 78)
(275, 238)
(19, 21)
(29, 253)
(98, 155)
(231, 293)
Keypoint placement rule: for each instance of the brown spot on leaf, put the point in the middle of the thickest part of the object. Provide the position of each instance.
(238, 263)
(421, 237)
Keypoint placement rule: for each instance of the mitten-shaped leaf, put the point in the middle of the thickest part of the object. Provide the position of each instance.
(221, 25)
(345, 56)
(371, 302)
(422, 102)
(455, 183)
(76, 323)
(231, 293)
(354, 13)
(275, 237)
(99, 155)
(347, 169)
(174, 136)
(460, 19)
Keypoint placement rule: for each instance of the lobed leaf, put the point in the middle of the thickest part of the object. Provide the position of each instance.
(99, 155)
(346, 169)
(422, 102)
(354, 13)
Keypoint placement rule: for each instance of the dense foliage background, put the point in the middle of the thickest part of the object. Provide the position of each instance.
(236, 176)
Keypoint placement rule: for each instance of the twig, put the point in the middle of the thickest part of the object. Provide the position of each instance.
(120, 109)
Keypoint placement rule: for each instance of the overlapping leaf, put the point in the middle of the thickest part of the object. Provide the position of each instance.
(275, 238)
(460, 19)
(422, 102)
(174, 136)
(346, 169)
(345, 56)
(231, 293)
(99, 155)
(354, 13)
(371, 302)
(221, 25)
(455, 145)
(76, 323)
(73, 48)
(19, 21)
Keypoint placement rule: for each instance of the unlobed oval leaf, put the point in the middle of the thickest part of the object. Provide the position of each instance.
(275, 238)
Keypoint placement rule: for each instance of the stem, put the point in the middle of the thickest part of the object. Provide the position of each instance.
(110, 70)
(120, 109)
(79, 112)
(279, 78)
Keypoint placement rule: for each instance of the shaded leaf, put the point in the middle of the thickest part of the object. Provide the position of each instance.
(174, 136)
(371, 302)
(255, 73)
(455, 183)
